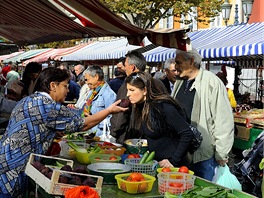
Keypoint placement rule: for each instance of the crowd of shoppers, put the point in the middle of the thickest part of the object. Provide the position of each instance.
(161, 111)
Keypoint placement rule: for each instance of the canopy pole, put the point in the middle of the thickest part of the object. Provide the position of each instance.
(207, 65)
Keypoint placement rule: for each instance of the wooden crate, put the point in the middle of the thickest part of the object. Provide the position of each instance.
(52, 186)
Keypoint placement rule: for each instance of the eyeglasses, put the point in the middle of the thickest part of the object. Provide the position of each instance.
(135, 76)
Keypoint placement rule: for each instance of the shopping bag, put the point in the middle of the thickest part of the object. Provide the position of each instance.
(106, 137)
(81, 192)
(225, 178)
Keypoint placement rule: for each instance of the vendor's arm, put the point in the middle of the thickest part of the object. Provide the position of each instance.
(182, 130)
(95, 119)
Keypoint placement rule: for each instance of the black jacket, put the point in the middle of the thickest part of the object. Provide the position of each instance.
(122, 124)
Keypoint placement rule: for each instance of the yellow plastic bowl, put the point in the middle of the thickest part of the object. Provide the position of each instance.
(83, 158)
(135, 187)
(174, 169)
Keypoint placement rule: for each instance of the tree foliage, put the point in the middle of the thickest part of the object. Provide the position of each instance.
(147, 13)
(59, 44)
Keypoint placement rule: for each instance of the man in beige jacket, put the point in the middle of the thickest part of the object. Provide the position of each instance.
(205, 100)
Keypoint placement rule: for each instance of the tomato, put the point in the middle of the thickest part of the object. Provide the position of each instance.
(113, 158)
(175, 184)
(142, 187)
(183, 169)
(97, 158)
(166, 169)
(135, 177)
(133, 156)
(136, 155)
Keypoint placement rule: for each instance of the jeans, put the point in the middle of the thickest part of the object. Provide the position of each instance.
(5, 196)
(205, 169)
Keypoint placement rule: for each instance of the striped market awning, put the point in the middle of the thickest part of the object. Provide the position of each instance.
(232, 42)
(52, 54)
(101, 50)
(243, 44)
(42, 21)
(27, 55)
(3, 57)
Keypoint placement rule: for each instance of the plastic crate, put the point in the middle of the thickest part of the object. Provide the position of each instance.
(52, 186)
(175, 183)
(149, 169)
(135, 187)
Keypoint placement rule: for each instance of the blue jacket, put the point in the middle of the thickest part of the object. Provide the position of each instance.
(102, 100)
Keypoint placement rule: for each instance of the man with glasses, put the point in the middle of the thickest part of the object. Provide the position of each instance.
(205, 100)
(171, 74)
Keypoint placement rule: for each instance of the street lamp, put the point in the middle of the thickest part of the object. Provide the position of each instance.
(226, 8)
(247, 7)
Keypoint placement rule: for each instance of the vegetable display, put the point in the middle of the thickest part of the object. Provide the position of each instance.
(202, 192)
(147, 157)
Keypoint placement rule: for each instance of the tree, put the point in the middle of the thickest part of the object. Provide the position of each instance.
(147, 13)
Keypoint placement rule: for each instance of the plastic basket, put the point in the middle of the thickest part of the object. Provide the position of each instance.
(149, 169)
(135, 187)
(175, 183)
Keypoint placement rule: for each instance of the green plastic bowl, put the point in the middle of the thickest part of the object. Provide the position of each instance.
(138, 146)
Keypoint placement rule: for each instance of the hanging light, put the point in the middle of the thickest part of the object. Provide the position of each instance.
(226, 8)
(247, 7)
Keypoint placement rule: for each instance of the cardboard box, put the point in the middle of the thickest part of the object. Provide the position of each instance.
(243, 132)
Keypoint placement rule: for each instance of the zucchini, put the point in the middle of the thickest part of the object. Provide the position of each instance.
(144, 157)
(150, 157)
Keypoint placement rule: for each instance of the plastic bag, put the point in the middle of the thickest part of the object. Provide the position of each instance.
(81, 192)
(225, 178)
(106, 137)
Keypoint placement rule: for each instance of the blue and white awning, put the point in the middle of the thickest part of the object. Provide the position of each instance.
(101, 50)
(159, 54)
(231, 41)
(227, 43)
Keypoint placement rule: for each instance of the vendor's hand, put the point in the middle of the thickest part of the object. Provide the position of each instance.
(165, 163)
(71, 106)
(59, 134)
(114, 108)
(222, 162)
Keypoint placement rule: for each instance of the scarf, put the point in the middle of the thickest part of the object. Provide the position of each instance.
(88, 104)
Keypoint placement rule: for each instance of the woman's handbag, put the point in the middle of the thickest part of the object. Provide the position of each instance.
(196, 141)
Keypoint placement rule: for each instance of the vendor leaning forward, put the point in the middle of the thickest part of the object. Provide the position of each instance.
(33, 125)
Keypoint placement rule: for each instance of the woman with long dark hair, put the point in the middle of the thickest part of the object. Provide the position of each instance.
(162, 120)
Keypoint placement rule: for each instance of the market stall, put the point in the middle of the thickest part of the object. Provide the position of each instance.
(157, 183)
(249, 124)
